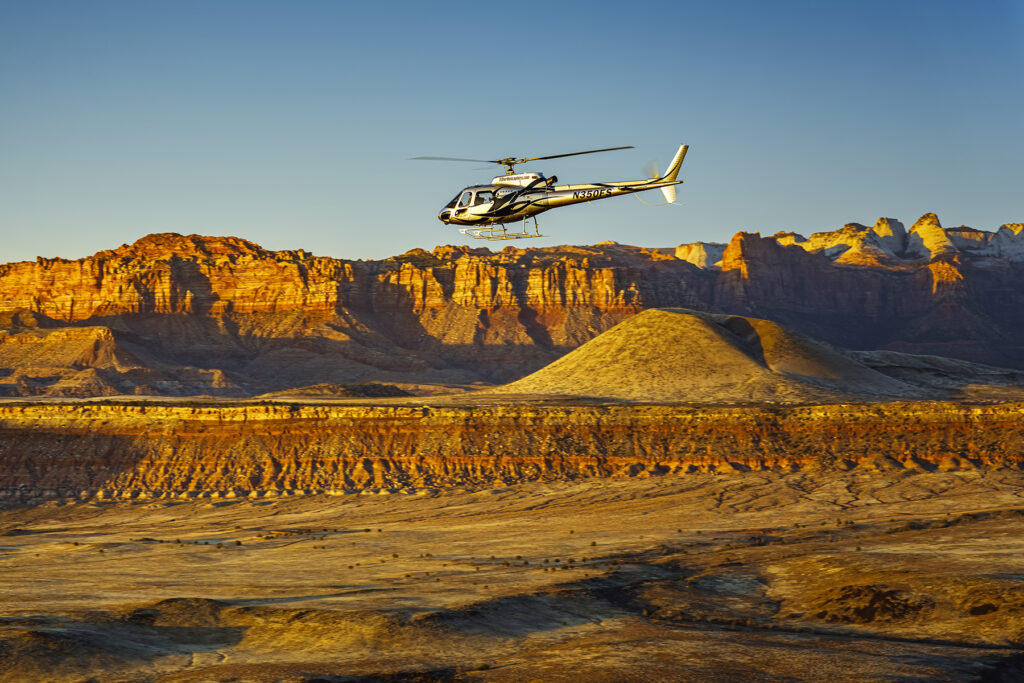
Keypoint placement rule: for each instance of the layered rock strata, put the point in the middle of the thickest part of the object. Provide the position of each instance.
(188, 275)
(186, 315)
(150, 451)
(174, 307)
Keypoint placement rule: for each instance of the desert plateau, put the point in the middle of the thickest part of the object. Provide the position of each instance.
(564, 342)
(781, 459)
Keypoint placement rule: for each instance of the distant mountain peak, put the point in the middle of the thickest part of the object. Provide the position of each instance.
(927, 221)
(163, 245)
(888, 244)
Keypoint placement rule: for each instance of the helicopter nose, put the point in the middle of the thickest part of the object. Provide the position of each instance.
(444, 216)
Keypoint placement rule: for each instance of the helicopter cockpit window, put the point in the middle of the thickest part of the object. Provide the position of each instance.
(466, 197)
(485, 197)
(453, 202)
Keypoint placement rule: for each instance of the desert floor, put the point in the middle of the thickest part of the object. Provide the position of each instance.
(759, 576)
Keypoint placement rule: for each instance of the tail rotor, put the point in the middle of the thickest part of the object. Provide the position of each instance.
(651, 171)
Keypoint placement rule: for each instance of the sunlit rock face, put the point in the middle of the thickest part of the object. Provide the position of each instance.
(927, 239)
(180, 315)
(887, 243)
(854, 244)
(926, 290)
(890, 235)
(190, 314)
(127, 451)
(701, 254)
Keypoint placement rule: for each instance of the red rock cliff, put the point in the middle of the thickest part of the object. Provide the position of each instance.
(173, 314)
(289, 318)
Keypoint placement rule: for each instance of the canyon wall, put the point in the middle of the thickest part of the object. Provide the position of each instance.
(176, 309)
(172, 274)
(186, 315)
(53, 450)
(953, 305)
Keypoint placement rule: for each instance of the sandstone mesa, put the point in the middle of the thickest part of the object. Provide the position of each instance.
(189, 315)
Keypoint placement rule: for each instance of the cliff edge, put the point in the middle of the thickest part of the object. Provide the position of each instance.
(191, 315)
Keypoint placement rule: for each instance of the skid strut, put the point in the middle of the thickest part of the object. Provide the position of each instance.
(499, 232)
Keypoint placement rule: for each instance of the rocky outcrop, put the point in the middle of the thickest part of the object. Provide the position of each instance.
(701, 254)
(147, 451)
(181, 315)
(174, 274)
(887, 244)
(174, 306)
(855, 244)
(928, 239)
(955, 304)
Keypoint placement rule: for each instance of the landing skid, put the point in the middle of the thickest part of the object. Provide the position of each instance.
(499, 232)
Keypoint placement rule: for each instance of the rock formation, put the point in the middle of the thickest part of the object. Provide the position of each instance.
(182, 451)
(179, 315)
(186, 315)
(701, 254)
(855, 288)
(677, 355)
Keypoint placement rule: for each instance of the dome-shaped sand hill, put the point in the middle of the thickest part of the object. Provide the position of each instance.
(679, 355)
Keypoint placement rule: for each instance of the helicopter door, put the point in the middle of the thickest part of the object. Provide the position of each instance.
(481, 203)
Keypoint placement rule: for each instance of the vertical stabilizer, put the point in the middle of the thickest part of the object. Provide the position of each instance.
(673, 171)
(677, 161)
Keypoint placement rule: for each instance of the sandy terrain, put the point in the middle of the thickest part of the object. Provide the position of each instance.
(756, 576)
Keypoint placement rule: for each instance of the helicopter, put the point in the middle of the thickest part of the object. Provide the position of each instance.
(485, 210)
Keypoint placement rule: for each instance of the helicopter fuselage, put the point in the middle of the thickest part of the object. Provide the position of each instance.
(532, 194)
(484, 210)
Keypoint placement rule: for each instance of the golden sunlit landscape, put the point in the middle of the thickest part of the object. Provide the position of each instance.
(469, 342)
(688, 495)
(810, 575)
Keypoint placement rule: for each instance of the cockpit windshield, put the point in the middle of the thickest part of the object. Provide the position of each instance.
(471, 198)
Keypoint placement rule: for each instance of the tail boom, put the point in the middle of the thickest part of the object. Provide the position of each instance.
(574, 194)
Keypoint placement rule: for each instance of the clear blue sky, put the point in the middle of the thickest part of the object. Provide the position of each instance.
(290, 123)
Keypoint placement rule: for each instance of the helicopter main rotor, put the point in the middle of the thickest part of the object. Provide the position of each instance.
(510, 162)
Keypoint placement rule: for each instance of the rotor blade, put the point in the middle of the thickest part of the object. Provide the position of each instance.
(651, 169)
(572, 154)
(478, 161)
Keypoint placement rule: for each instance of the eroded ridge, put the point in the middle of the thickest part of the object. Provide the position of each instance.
(134, 450)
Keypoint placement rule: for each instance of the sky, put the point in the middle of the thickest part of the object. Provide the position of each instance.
(291, 124)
